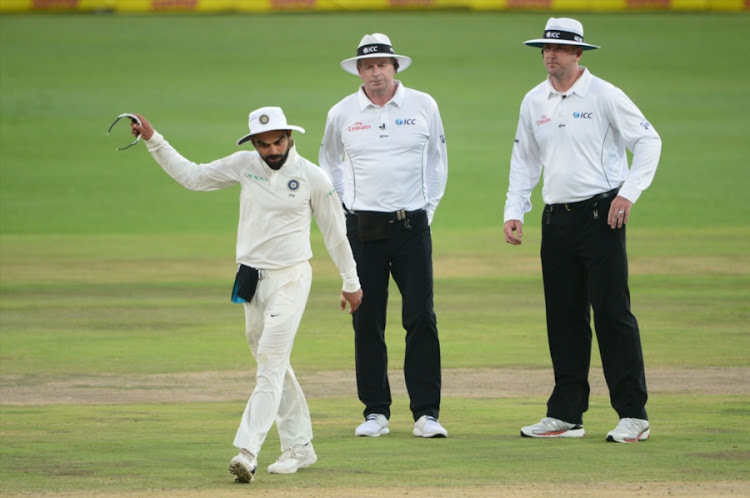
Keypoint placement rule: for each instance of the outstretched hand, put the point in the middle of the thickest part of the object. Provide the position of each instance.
(353, 298)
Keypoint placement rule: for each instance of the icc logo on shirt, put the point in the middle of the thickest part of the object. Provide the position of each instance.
(400, 122)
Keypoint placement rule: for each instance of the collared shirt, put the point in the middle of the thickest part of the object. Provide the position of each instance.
(386, 158)
(579, 139)
(276, 206)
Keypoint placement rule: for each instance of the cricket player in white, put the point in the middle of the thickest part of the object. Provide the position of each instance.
(280, 193)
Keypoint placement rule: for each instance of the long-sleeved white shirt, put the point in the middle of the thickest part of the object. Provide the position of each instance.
(579, 139)
(276, 207)
(386, 158)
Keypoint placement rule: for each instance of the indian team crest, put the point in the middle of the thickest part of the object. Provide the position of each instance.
(264, 119)
(293, 185)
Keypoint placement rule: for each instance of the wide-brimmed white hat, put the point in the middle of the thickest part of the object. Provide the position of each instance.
(374, 45)
(562, 31)
(267, 119)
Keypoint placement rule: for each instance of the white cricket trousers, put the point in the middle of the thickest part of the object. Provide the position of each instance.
(271, 322)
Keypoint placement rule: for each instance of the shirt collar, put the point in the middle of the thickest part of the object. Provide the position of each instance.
(397, 99)
(580, 87)
(293, 153)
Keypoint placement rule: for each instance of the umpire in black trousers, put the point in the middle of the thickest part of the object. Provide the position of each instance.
(575, 129)
(384, 150)
(398, 244)
(584, 267)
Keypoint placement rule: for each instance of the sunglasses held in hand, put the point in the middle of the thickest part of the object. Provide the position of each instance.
(134, 119)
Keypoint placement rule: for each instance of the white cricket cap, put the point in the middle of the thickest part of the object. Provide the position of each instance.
(267, 119)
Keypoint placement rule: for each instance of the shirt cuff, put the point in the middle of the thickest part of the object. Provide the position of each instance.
(351, 281)
(629, 192)
(155, 141)
(511, 215)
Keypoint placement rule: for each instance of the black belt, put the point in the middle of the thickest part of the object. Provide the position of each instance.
(572, 206)
(399, 215)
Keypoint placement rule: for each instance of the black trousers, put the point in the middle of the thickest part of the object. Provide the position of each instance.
(585, 267)
(407, 255)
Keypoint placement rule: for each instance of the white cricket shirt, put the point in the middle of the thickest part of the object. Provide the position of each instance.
(580, 142)
(386, 158)
(276, 207)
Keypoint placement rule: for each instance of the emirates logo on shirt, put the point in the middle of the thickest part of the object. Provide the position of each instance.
(544, 120)
(358, 126)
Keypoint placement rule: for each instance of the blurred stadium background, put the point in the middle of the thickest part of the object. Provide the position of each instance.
(216, 6)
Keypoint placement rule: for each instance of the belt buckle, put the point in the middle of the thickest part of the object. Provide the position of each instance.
(567, 207)
(401, 214)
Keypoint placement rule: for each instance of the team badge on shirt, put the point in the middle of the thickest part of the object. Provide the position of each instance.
(293, 185)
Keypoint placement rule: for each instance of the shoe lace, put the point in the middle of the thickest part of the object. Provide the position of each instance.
(286, 455)
(291, 453)
(553, 423)
(628, 424)
(372, 416)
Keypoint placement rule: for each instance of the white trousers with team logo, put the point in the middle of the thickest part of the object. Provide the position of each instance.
(271, 322)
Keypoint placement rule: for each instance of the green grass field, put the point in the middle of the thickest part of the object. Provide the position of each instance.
(115, 281)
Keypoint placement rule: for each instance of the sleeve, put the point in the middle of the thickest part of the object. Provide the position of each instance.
(436, 163)
(525, 168)
(641, 139)
(216, 175)
(331, 154)
(330, 219)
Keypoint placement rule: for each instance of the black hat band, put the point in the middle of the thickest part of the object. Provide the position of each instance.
(552, 34)
(376, 48)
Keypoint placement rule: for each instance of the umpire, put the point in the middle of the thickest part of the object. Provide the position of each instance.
(576, 128)
(384, 149)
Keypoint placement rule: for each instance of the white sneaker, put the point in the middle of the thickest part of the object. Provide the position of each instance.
(243, 466)
(629, 430)
(293, 459)
(375, 425)
(428, 426)
(553, 427)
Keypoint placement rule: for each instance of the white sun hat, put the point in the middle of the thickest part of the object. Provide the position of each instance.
(562, 31)
(374, 45)
(267, 119)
